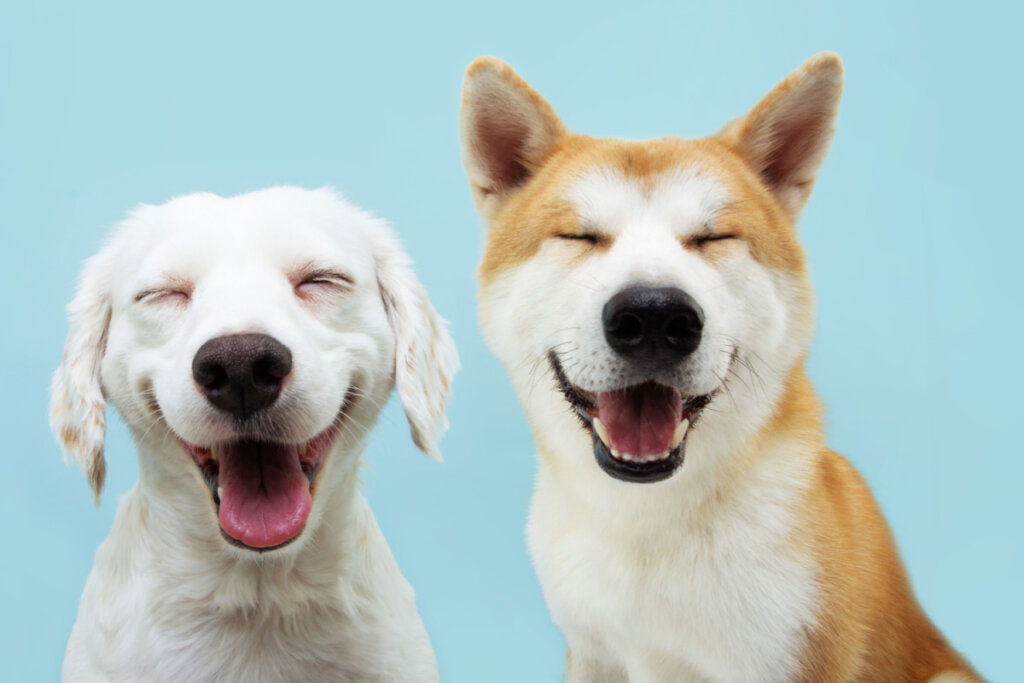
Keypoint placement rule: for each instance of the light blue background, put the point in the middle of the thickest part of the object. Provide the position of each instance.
(914, 235)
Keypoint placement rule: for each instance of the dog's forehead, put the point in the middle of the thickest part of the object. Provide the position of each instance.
(682, 198)
(279, 227)
(672, 187)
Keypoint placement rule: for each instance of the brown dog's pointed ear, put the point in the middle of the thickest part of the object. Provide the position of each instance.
(425, 355)
(506, 130)
(77, 415)
(786, 136)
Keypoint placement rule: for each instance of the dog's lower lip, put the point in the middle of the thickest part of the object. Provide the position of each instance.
(639, 472)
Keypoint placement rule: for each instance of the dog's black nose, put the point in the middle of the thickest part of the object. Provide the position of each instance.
(241, 373)
(653, 324)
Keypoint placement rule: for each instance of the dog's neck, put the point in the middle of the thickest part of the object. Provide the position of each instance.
(168, 526)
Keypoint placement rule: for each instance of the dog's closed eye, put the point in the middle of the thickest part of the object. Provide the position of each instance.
(589, 238)
(178, 292)
(314, 284)
(705, 239)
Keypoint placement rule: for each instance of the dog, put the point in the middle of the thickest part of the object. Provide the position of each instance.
(249, 343)
(652, 306)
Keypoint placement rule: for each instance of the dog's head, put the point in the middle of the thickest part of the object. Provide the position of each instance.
(249, 343)
(658, 282)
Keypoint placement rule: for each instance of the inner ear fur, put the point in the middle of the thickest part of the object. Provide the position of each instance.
(506, 130)
(786, 136)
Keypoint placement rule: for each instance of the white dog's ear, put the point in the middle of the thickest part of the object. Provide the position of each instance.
(787, 135)
(425, 355)
(506, 129)
(77, 404)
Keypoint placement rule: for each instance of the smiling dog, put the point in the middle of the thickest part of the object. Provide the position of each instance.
(651, 304)
(249, 344)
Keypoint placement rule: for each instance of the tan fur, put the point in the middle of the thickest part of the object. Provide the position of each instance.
(869, 625)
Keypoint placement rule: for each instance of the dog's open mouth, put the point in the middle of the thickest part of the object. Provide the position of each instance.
(639, 432)
(263, 490)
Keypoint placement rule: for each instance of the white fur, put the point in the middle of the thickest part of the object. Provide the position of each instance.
(665, 581)
(168, 598)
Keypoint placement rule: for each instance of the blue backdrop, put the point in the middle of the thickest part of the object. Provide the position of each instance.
(913, 235)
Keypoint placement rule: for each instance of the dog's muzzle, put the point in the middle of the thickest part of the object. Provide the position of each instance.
(261, 488)
(639, 430)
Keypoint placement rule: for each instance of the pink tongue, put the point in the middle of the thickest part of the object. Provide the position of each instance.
(265, 497)
(641, 420)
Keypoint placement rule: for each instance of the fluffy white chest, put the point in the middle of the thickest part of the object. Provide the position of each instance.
(653, 595)
(192, 641)
(146, 636)
(197, 644)
(195, 616)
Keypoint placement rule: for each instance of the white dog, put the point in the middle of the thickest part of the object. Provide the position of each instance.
(249, 344)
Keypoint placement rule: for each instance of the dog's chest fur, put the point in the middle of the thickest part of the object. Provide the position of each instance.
(198, 643)
(170, 617)
(665, 589)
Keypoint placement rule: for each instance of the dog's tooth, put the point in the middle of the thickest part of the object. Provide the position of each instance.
(616, 454)
(220, 492)
(602, 431)
(680, 433)
(664, 455)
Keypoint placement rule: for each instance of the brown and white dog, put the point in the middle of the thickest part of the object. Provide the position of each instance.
(652, 305)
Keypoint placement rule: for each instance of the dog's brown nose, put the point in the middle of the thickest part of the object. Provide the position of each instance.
(241, 374)
(653, 324)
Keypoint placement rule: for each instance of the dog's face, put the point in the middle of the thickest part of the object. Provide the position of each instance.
(659, 283)
(248, 343)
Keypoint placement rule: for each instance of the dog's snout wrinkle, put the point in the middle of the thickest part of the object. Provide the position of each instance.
(653, 324)
(241, 373)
